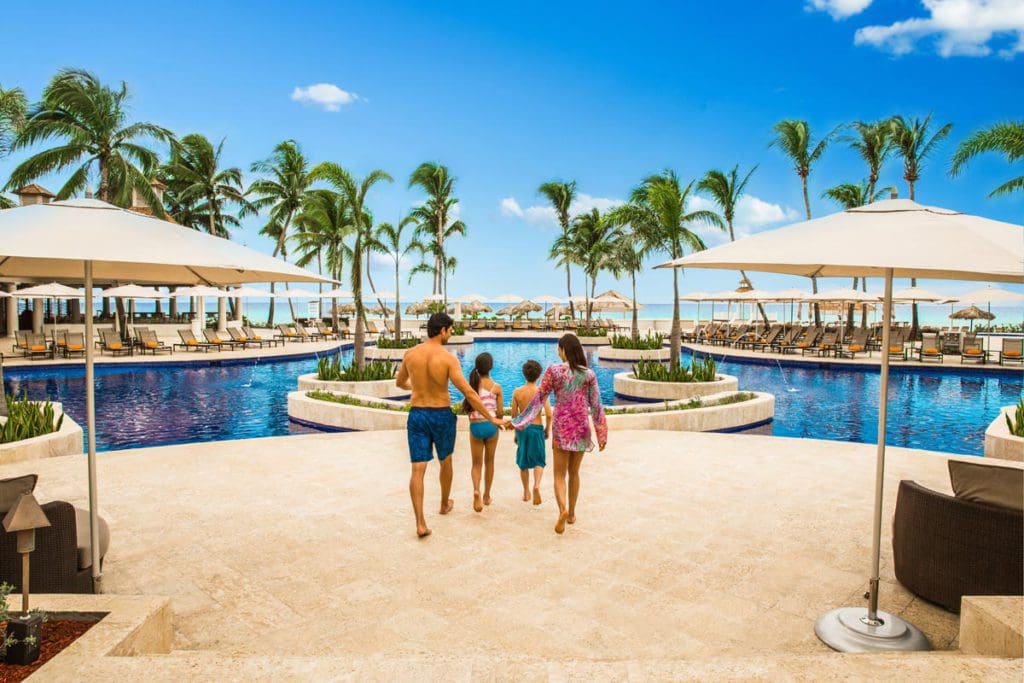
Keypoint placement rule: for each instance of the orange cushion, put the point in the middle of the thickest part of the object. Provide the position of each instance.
(115, 346)
(1012, 354)
(931, 350)
(803, 344)
(38, 347)
(895, 349)
(61, 343)
(215, 341)
(258, 338)
(191, 342)
(974, 352)
(75, 347)
(242, 339)
(856, 347)
(23, 345)
(152, 345)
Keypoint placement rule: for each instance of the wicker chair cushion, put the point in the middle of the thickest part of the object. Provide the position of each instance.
(11, 489)
(1002, 486)
(84, 544)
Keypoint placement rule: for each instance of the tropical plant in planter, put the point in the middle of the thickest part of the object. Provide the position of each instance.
(330, 369)
(653, 340)
(27, 419)
(16, 650)
(400, 343)
(654, 371)
(591, 332)
(1017, 425)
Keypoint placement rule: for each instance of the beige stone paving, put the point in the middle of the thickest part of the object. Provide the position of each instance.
(687, 546)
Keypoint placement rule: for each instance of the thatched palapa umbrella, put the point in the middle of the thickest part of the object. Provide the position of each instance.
(526, 308)
(972, 313)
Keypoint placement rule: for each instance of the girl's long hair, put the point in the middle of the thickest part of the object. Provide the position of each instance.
(481, 368)
(573, 350)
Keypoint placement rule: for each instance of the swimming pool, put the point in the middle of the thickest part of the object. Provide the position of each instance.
(140, 406)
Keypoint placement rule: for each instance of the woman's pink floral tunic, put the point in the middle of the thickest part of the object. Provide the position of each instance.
(576, 395)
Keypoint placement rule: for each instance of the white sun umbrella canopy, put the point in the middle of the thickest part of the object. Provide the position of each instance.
(205, 291)
(990, 295)
(887, 239)
(53, 290)
(84, 240)
(338, 294)
(296, 293)
(507, 299)
(845, 295)
(549, 299)
(384, 295)
(919, 294)
(249, 293)
(471, 298)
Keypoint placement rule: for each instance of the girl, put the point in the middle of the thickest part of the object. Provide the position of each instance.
(576, 394)
(483, 435)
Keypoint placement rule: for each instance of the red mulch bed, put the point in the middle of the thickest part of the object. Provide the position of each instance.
(57, 635)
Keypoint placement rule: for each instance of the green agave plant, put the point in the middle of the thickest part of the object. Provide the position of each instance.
(654, 371)
(392, 343)
(330, 369)
(653, 340)
(1017, 425)
(27, 419)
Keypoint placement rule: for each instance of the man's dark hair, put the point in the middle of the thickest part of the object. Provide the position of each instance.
(531, 370)
(438, 322)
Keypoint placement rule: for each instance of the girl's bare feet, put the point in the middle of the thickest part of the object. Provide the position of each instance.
(526, 495)
(423, 533)
(560, 524)
(476, 502)
(536, 497)
(487, 499)
(571, 519)
(445, 509)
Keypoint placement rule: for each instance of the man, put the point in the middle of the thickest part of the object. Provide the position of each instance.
(426, 370)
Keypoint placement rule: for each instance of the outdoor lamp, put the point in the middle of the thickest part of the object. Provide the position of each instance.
(24, 518)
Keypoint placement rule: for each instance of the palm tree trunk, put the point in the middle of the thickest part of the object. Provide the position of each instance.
(913, 313)
(674, 350)
(398, 304)
(636, 322)
(357, 291)
(814, 280)
(817, 310)
(864, 309)
(320, 285)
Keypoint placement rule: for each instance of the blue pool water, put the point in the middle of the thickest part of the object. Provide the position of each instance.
(143, 406)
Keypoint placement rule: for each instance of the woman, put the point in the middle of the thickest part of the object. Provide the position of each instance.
(483, 435)
(576, 394)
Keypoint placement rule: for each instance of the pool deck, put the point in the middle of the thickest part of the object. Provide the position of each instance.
(696, 556)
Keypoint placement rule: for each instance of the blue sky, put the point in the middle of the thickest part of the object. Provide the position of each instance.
(511, 95)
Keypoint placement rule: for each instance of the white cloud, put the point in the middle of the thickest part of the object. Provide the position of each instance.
(838, 9)
(752, 215)
(958, 27)
(545, 216)
(326, 95)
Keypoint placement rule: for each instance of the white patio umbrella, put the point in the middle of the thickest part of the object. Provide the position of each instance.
(84, 240)
(207, 291)
(470, 298)
(433, 298)
(548, 299)
(53, 290)
(507, 299)
(913, 295)
(887, 239)
(989, 295)
(296, 293)
(132, 292)
(338, 293)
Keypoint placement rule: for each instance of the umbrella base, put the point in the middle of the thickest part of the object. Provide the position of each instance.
(847, 630)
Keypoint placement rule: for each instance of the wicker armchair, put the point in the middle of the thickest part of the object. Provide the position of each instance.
(54, 562)
(945, 547)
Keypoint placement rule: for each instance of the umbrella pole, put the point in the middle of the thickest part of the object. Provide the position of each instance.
(856, 629)
(90, 419)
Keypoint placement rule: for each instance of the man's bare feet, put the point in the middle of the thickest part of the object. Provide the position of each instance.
(536, 496)
(445, 509)
(560, 524)
(526, 495)
(477, 505)
(424, 532)
(487, 500)
(571, 519)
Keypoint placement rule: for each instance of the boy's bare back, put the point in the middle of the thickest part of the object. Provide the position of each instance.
(521, 398)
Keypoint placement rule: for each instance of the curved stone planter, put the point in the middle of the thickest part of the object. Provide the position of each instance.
(67, 441)
(383, 388)
(460, 339)
(732, 417)
(628, 355)
(999, 442)
(374, 353)
(726, 418)
(627, 386)
(593, 341)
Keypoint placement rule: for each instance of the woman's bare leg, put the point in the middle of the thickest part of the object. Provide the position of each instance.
(490, 446)
(537, 473)
(476, 449)
(524, 475)
(561, 459)
(575, 460)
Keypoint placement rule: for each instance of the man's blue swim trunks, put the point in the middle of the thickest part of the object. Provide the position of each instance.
(431, 427)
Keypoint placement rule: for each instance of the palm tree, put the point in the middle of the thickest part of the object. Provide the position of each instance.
(873, 143)
(324, 225)
(561, 196)
(13, 106)
(591, 247)
(913, 143)
(725, 189)
(354, 192)
(200, 187)
(627, 257)
(657, 212)
(91, 120)
(387, 239)
(1006, 138)
(793, 137)
(434, 218)
(284, 192)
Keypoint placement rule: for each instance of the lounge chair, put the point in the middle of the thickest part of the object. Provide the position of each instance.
(805, 341)
(74, 344)
(21, 342)
(112, 343)
(151, 343)
(240, 337)
(59, 340)
(371, 328)
(822, 345)
(286, 333)
(973, 351)
(252, 335)
(896, 341)
(773, 334)
(930, 349)
(858, 344)
(212, 337)
(1012, 351)
(788, 338)
(190, 343)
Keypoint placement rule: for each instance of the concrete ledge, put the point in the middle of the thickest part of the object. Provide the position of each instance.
(383, 388)
(66, 441)
(991, 625)
(593, 341)
(608, 353)
(461, 339)
(375, 353)
(131, 625)
(628, 386)
(713, 418)
(999, 442)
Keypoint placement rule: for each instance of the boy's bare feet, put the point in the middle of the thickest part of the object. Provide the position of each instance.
(487, 500)
(476, 502)
(536, 497)
(560, 524)
(424, 532)
(445, 509)
(571, 519)
(526, 495)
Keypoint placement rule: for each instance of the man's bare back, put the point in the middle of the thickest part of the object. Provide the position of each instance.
(427, 369)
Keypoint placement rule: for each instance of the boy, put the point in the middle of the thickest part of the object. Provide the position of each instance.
(530, 446)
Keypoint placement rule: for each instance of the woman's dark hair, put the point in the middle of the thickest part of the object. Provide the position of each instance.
(531, 370)
(438, 322)
(481, 368)
(573, 350)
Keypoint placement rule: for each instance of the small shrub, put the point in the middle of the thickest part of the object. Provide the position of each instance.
(400, 343)
(8, 641)
(1017, 425)
(27, 419)
(591, 332)
(330, 369)
(347, 400)
(458, 329)
(654, 371)
(653, 340)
